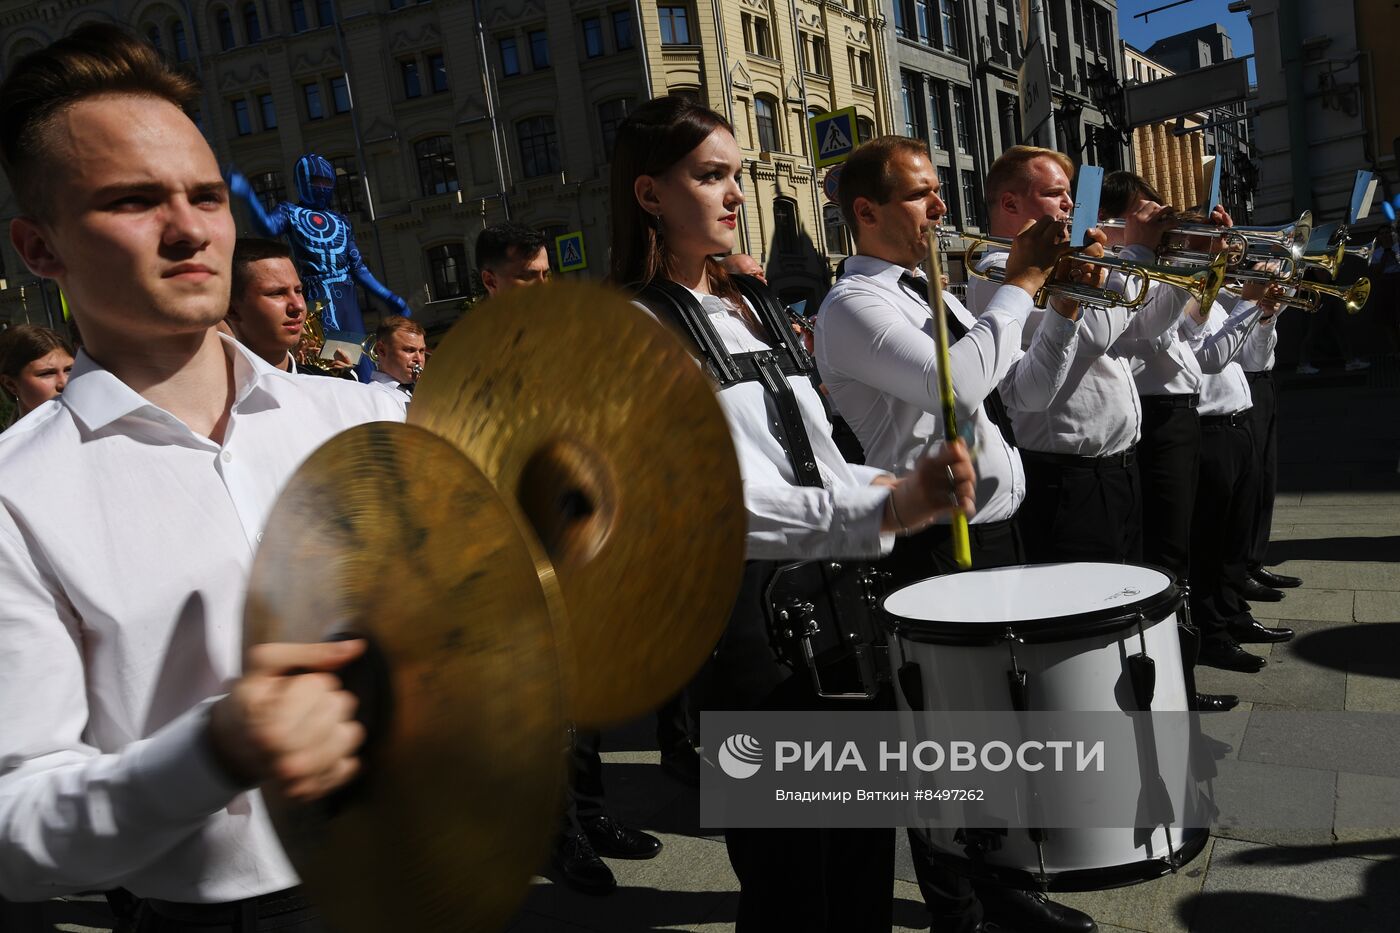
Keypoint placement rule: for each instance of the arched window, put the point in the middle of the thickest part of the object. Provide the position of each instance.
(177, 39)
(539, 146)
(252, 32)
(447, 265)
(865, 129)
(153, 37)
(223, 24)
(766, 112)
(437, 165)
(348, 189)
(785, 226)
(297, 11)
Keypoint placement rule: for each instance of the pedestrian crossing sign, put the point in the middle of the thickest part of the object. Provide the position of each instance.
(833, 136)
(568, 251)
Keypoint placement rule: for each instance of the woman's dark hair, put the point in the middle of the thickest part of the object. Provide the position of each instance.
(22, 344)
(652, 139)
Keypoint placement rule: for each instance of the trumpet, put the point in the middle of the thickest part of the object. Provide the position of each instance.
(1202, 283)
(414, 371)
(1363, 252)
(1307, 296)
(1239, 243)
(1328, 259)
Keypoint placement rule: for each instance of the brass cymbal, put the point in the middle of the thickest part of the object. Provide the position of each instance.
(608, 438)
(390, 533)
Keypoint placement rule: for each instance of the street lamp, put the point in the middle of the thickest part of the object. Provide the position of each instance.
(1107, 94)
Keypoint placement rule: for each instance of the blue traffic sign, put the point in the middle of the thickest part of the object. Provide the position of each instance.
(833, 135)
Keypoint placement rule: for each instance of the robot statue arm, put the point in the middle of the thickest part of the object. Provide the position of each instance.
(268, 224)
(361, 272)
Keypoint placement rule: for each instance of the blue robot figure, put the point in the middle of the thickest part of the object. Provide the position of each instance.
(323, 245)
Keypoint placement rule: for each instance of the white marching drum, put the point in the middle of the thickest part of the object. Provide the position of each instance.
(1053, 637)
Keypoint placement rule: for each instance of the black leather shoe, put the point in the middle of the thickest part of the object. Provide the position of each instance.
(1215, 702)
(613, 840)
(1032, 912)
(1256, 592)
(1252, 633)
(580, 866)
(1230, 658)
(1277, 580)
(683, 764)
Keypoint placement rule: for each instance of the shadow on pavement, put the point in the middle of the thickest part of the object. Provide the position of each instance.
(1301, 869)
(1338, 549)
(1374, 644)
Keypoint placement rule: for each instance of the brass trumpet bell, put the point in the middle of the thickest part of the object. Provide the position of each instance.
(1329, 259)
(1307, 296)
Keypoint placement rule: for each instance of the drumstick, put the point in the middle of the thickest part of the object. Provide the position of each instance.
(962, 546)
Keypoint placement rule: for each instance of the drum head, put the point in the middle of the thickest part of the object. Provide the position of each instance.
(1040, 602)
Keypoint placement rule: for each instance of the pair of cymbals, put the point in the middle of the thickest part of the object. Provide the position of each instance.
(556, 535)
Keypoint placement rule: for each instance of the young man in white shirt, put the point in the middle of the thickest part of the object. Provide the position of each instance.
(136, 738)
(402, 350)
(1083, 501)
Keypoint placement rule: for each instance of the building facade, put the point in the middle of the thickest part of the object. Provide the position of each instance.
(953, 81)
(767, 66)
(1327, 103)
(1169, 162)
(440, 117)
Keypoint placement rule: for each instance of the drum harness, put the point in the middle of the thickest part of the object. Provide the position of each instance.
(820, 614)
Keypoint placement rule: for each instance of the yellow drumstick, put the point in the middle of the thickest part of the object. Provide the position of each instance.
(962, 545)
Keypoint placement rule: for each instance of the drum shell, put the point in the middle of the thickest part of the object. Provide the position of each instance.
(1066, 672)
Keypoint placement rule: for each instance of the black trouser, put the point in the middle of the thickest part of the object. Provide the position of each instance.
(953, 904)
(283, 912)
(834, 880)
(1169, 457)
(1081, 508)
(1263, 427)
(1222, 526)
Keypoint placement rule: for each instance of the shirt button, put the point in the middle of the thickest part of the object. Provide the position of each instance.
(260, 534)
(228, 456)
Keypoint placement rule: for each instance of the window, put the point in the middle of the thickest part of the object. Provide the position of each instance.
(437, 72)
(766, 112)
(539, 49)
(223, 23)
(814, 55)
(949, 195)
(593, 37)
(347, 184)
(922, 19)
(447, 266)
(268, 111)
(241, 120)
(510, 57)
(610, 116)
(865, 129)
(251, 30)
(314, 109)
(340, 94)
(950, 12)
(972, 198)
(297, 8)
(412, 87)
(177, 38)
(1004, 36)
(834, 226)
(622, 29)
(903, 20)
(437, 166)
(862, 74)
(961, 105)
(785, 239)
(153, 37)
(675, 28)
(268, 187)
(325, 12)
(937, 91)
(909, 97)
(762, 38)
(539, 146)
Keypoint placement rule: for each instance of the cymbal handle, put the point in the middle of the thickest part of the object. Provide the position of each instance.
(368, 679)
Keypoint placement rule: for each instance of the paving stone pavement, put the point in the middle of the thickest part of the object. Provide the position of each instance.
(1337, 525)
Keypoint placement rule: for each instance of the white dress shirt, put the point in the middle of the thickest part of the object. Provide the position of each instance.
(1163, 365)
(1217, 341)
(125, 545)
(1257, 354)
(786, 520)
(876, 354)
(1096, 412)
(383, 382)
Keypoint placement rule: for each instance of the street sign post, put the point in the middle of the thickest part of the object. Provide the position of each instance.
(1033, 84)
(833, 136)
(568, 252)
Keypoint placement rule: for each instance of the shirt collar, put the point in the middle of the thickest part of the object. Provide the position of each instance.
(882, 270)
(97, 398)
(380, 376)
